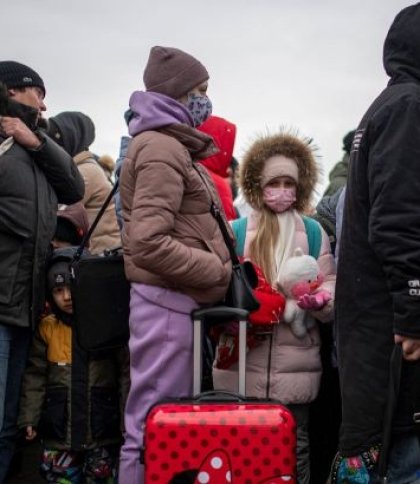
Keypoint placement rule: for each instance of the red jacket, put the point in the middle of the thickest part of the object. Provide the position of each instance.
(223, 133)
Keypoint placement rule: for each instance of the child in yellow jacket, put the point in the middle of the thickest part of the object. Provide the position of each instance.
(71, 398)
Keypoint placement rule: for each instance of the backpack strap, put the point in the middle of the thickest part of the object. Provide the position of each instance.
(313, 232)
(239, 231)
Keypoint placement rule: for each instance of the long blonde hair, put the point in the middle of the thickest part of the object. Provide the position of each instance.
(263, 244)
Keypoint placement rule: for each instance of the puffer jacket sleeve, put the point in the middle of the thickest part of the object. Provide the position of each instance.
(60, 170)
(394, 217)
(34, 383)
(327, 267)
(159, 190)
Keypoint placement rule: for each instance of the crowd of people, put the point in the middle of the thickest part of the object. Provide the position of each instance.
(319, 343)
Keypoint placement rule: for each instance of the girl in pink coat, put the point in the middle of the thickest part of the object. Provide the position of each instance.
(278, 178)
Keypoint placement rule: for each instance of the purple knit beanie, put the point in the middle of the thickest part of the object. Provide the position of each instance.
(172, 72)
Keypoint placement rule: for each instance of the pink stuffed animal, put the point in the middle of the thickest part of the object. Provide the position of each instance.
(300, 281)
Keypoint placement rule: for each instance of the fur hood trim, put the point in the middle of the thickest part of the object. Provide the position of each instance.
(287, 144)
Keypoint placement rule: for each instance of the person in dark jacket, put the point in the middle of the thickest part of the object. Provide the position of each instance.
(378, 284)
(72, 398)
(35, 174)
(233, 176)
(338, 175)
(326, 215)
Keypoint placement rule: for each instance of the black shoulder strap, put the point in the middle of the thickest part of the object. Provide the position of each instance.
(215, 211)
(98, 217)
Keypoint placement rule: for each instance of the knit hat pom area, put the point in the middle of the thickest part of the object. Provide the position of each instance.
(14, 74)
(173, 72)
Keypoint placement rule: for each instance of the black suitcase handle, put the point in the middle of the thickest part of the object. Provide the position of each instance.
(219, 395)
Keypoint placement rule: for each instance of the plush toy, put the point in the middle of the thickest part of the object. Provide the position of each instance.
(300, 281)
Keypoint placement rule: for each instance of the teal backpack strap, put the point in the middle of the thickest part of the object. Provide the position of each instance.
(313, 232)
(239, 231)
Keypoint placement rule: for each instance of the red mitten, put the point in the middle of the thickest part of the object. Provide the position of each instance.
(272, 303)
(271, 307)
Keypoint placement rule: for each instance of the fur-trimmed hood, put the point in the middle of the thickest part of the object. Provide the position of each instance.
(289, 145)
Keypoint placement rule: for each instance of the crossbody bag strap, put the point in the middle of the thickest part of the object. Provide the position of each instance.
(215, 211)
(98, 217)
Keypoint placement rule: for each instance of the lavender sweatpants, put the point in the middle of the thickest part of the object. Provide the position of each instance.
(161, 344)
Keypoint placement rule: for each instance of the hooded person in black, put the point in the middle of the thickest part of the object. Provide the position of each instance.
(75, 132)
(378, 283)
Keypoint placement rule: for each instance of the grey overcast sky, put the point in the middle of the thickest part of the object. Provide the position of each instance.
(314, 65)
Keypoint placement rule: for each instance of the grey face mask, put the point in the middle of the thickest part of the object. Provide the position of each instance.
(200, 108)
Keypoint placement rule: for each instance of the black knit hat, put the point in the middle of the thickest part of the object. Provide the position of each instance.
(58, 273)
(13, 74)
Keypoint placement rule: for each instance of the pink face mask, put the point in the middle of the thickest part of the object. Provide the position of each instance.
(279, 199)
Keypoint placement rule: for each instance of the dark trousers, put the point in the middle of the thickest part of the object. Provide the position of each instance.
(14, 346)
(325, 413)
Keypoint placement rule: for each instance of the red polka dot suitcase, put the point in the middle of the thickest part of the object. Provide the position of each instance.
(219, 437)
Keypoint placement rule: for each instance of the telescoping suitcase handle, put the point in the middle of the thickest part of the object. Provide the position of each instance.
(219, 312)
